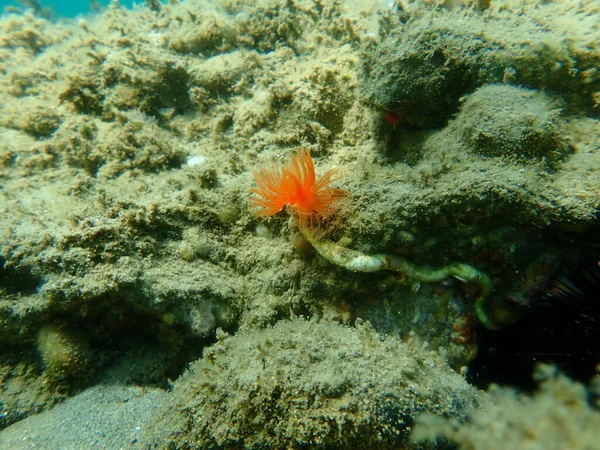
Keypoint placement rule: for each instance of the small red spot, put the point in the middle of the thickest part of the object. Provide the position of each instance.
(393, 118)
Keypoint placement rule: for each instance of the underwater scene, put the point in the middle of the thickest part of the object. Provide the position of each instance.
(300, 224)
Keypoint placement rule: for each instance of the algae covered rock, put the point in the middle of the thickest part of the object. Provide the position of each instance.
(501, 120)
(558, 416)
(106, 231)
(306, 383)
(64, 352)
(426, 60)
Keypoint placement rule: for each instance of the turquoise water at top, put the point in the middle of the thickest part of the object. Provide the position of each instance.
(67, 8)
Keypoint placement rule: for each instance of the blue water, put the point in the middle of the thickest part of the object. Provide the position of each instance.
(67, 8)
